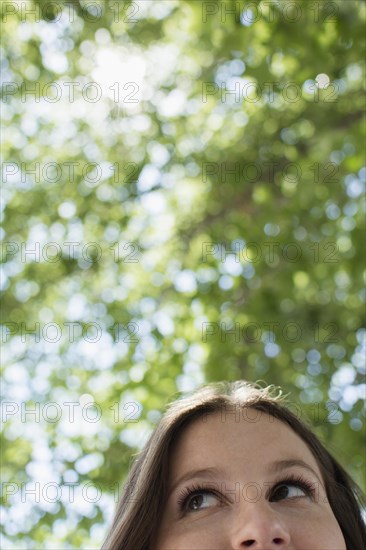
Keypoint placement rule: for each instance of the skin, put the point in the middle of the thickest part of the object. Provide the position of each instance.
(245, 515)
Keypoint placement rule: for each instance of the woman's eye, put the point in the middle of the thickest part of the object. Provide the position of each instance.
(200, 501)
(289, 490)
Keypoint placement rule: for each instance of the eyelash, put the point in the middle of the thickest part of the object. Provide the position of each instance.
(189, 492)
(299, 481)
(192, 491)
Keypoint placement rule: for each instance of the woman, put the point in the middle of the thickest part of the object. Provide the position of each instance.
(230, 467)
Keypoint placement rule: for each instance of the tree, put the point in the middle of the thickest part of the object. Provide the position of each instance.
(182, 184)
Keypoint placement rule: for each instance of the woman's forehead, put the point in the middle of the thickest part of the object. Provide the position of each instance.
(225, 439)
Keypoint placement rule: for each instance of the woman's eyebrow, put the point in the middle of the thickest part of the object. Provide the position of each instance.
(211, 473)
(280, 465)
(214, 473)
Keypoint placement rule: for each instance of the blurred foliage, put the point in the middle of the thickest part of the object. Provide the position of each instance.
(185, 172)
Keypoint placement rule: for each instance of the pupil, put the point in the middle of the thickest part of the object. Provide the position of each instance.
(197, 501)
(282, 491)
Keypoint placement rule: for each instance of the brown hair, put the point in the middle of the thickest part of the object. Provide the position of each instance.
(140, 508)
